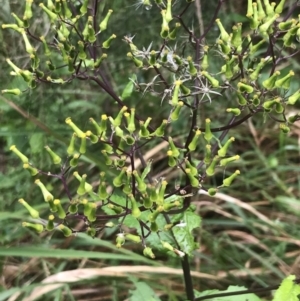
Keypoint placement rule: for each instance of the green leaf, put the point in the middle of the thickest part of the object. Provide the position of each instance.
(143, 292)
(288, 290)
(183, 232)
(36, 142)
(129, 87)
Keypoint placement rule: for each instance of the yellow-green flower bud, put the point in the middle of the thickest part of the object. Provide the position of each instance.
(212, 80)
(116, 209)
(294, 98)
(285, 81)
(92, 212)
(106, 44)
(177, 59)
(81, 50)
(57, 6)
(133, 238)
(78, 132)
(269, 83)
(104, 22)
(194, 182)
(227, 182)
(50, 225)
(167, 246)
(224, 47)
(226, 161)
(173, 148)
(14, 27)
(165, 26)
(161, 193)
(249, 9)
(14, 67)
(191, 167)
(153, 194)
(279, 7)
(93, 138)
(173, 33)
(223, 150)
(175, 95)
(224, 35)
(52, 16)
(284, 128)
(171, 161)
(71, 147)
(119, 179)
(294, 118)
(59, 209)
(175, 113)
(87, 187)
(287, 24)
(265, 26)
(55, 158)
(37, 227)
(254, 22)
(48, 197)
(120, 240)
(207, 157)
(33, 213)
(234, 111)
(254, 75)
(208, 134)
(50, 65)
(117, 121)
(28, 10)
(260, 12)
(28, 47)
(147, 201)
(18, 20)
(192, 68)
(212, 191)
(153, 216)
(168, 206)
(254, 48)
(33, 171)
(66, 12)
(185, 90)
(107, 160)
(83, 8)
(135, 211)
(47, 51)
(74, 160)
(82, 148)
(210, 171)
(65, 230)
(11, 91)
(73, 208)
(241, 99)
(269, 7)
(193, 144)
(141, 185)
(245, 88)
(23, 158)
(102, 193)
(168, 15)
(91, 232)
(144, 132)
(148, 253)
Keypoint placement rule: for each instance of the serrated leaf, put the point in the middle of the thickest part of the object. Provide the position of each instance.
(183, 232)
(288, 290)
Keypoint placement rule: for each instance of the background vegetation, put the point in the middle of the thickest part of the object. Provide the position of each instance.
(249, 234)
